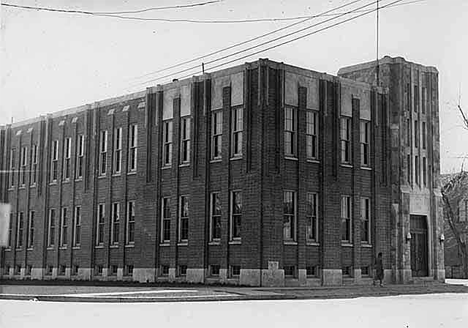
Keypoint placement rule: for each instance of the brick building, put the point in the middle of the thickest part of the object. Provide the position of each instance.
(260, 174)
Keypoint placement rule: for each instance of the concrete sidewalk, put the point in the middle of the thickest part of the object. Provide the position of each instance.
(187, 293)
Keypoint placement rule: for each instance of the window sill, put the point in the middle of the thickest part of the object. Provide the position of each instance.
(53, 183)
(291, 158)
(7, 249)
(22, 187)
(312, 243)
(103, 176)
(76, 247)
(184, 165)
(50, 248)
(130, 246)
(66, 181)
(132, 172)
(99, 246)
(216, 160)
(79, 179)
(366, 245)
(165, 244)
(116, 175)
(29, 249)
(235, 242)
(347, 165)
(367, 168)
(18, 249)
(346, 244)
(11, 189)
(236, 158)
(63, 247)
(214, 243)
(289, 242)
(316, 161)
(114, 246)
(32, 186)
(182, 243)
(166, 167)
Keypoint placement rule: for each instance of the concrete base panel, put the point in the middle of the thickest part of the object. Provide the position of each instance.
(84, 274)
(54, 273)
(37, 273)
(272, 277)
(302, 277)
(440, 275)
(120, 274)
(223, 275)
(357, 276)
(332, 277)
(144, 274)
(250, 277)
(172, 274)
(196, 275)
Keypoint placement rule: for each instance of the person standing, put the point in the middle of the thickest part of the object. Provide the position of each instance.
(379, 272)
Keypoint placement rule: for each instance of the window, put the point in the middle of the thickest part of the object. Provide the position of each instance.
(216, 134)
(345, 140)
(113, 270)
(31, 229)
(129, 269)
(33, 173)
(167, 143)
(51, 234)
(166, 220)
(99, 270)
(365, 271)
(66, 164)
(185, 140)
(215, 222)
(290, 124)
(12, 168)
(80, 157)
(214, 270)
(19, 230)
(289, 270)
(184, 219)
(312, 135)
(28, 270)
(289, 216)
(423, 100)
(311, 271)
(235, 270)
(408, 97)
(365, 143)
(424, 172)
(236, 214)
(64, 228)
(164, 270)
(424, 135)
(237, 125)
(416, 134)
(408, 168)
(101, 216)
(182, 270)
(23, 163)
(62, 269)
(75, 269)
(77, 227)
(416, 169)
(365, 221)
(416, 98)
(54, 168)
(346, 219)
(117, 150)
(312, 217)
(133, 144)
(103, 153)
(115, 223)
(130, 235)
(10, 231)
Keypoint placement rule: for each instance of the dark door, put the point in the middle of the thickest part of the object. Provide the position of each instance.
(419, 252)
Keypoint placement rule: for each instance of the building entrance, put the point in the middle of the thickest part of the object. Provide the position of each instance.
(419, 244)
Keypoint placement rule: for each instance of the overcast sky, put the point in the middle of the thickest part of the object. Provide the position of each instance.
(53, 61)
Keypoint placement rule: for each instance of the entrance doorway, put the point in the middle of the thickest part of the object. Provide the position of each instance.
(419, 245)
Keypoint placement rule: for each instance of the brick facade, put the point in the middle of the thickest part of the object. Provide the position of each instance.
(268, 251)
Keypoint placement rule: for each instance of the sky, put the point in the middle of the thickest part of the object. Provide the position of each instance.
(51, 61)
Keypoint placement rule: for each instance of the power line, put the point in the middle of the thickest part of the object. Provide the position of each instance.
(300, 37)
(248, 41)
(170, 20)
(98, 13)
(261, 44)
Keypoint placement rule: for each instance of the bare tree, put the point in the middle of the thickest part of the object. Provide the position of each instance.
(454, 192)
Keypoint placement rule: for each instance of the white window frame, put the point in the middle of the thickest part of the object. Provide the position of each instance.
(30, 243)
(19, 230)
(100, 224)
(167, 142)
(184, 215)
(214, 217)
(64, 227)
(115, 224)
(165, 219)
(366, 220)
(237, 127)
(216, 134)
(290, 132)
(312, 126)
(234, 216)
(117, 153)
(80, 156)
(312, 216)
(133, 148)
(33, 173)
(67, 159)
(185, 140)
(23, 164)
(103, 153)
(290, 219)
(347, 219)
(130, 225)
(51, 228)
(54, 167)
(12, 168)
(77, 227)
(345, 137)
(365, 130)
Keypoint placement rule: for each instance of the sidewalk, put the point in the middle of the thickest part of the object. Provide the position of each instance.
(187, 293)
